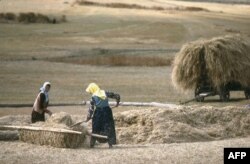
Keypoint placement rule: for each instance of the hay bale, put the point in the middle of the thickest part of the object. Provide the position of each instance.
(219, 60)
(56, 132)
(55, 139)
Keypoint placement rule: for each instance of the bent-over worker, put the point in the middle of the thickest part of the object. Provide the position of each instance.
(101, 114)
(41, 103)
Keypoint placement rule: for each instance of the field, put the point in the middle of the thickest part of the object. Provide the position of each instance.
(124, 46)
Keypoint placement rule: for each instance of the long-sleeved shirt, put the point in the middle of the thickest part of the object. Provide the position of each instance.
(97, 102)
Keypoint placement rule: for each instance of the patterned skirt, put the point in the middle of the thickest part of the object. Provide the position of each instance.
(103, 124)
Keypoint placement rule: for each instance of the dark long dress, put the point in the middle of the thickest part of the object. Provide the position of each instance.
(102, 119)
(35, 116)
(40, 104)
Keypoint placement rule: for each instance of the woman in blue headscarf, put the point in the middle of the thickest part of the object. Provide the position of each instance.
(41, 103)
(101, 114)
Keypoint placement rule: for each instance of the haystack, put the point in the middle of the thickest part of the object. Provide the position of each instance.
(55, 132)
(182, 124)
(219, 60)
(59, 130)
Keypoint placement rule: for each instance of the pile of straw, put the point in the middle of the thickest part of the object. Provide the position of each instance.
(59, 118)
(182, 124)
(221, 60)
(56, 132)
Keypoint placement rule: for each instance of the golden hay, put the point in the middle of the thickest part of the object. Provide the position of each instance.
(57, 139)
(221, 60)
(59, 118)
(182, 124)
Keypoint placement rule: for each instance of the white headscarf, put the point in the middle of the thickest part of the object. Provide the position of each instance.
(42, 90)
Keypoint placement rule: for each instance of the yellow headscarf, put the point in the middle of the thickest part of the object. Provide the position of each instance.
(94, 89)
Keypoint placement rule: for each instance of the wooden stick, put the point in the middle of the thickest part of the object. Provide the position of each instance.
(78, 123)
(153, 104)
(16, 127)
(87, 103)
(59, 130)
(98, 136)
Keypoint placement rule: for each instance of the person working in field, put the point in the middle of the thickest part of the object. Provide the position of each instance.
(41, 103)
(101, 114)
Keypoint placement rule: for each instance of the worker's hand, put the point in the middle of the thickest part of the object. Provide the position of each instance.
(117, 104)
(50, 113)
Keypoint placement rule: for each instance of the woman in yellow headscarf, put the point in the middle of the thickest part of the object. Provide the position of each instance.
(101, 114)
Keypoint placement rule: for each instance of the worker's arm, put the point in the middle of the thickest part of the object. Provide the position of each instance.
(114, 96)
(43, 104)
(48, 111)
(91, 110)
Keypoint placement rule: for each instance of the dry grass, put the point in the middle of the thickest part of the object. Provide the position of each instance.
(115, 5)
(102, 27)
(221, 60)
(33, 18)
(55, 139)
(69, 80)
(29, 17)
(138, 7)
(45, 136)
(223, 1)
(119, 57)
(148, 125)
(116, 60)
(181, 124)
(6, 17)
(107, 28)
(195, 9)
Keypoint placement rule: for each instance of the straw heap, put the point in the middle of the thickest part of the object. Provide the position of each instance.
(48, 136)
(221, 60)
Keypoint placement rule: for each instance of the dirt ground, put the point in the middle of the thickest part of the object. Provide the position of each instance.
(181, 134)
(195, 153)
